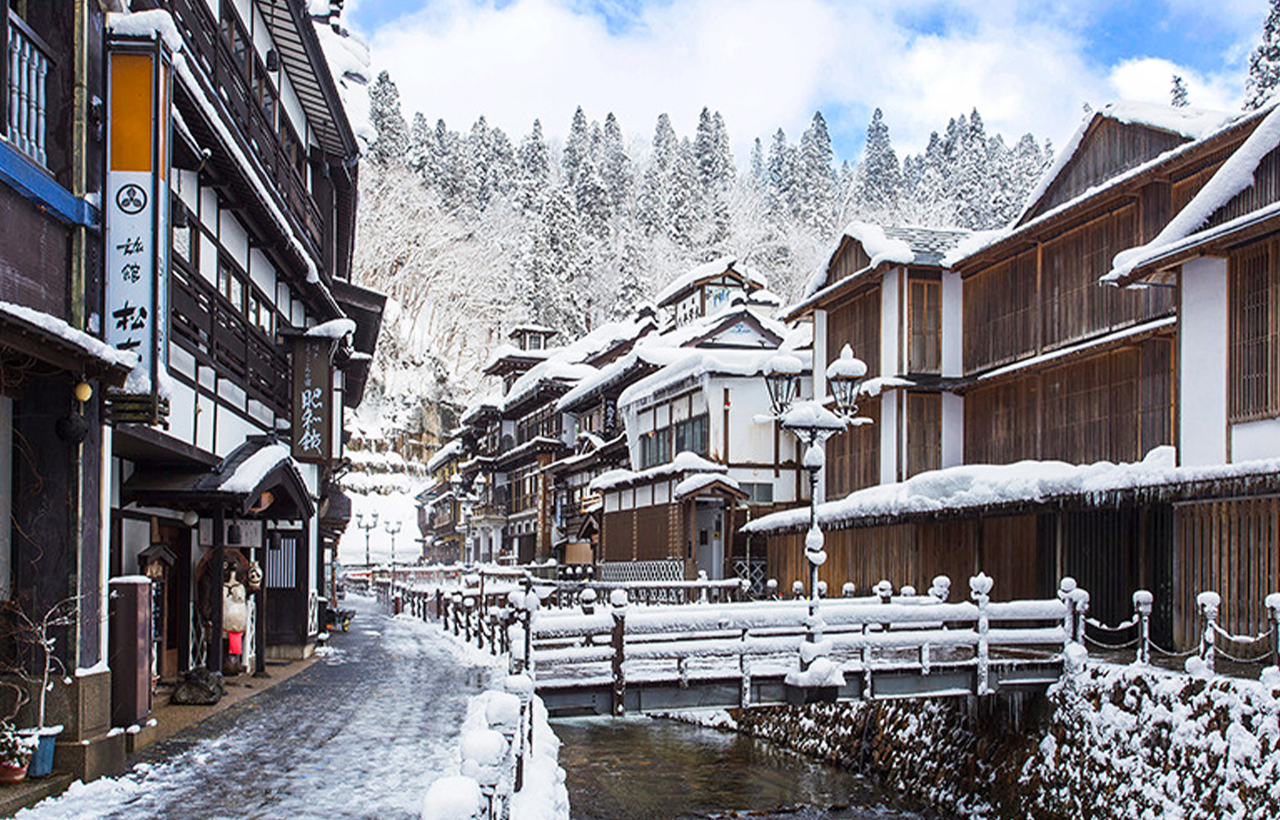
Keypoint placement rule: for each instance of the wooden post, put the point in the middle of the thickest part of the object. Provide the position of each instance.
(1273, 619)
(215, 656)
(440, 604)
(468, 610)
(619, 601)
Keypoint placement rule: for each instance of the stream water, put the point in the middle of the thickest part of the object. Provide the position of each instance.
(643, 769)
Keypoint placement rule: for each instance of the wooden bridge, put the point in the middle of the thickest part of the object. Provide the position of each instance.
(616, 657)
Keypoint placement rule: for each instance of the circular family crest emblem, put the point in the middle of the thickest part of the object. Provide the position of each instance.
(131, 198)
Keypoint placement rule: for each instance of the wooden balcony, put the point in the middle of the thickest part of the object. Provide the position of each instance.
(27, 63)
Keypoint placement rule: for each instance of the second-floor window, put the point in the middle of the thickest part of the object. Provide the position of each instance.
(1254, 310)
(924, 350)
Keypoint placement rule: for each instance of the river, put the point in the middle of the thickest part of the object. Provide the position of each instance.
(639, 768)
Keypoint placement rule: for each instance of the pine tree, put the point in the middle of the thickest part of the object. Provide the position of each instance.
(727, 170)
(533, 169)
(684, 198)
(577, 147)
(615, 165)
(878, 179)
(1178, 93)
(421, 153)
(652, 207)
(1264, 63)
(704, 151)
(780, 176)
(757, 179)
(384, 111)
(815, 174)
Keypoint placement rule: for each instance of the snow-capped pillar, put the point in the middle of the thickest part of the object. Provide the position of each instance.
(980, 591)
(1208, 603)
(1142, 600)
(618, 599)
(1202, 363)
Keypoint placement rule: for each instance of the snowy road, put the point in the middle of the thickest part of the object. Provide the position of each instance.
(361, 734)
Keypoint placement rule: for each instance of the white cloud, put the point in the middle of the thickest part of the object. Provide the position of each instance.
(764, 65)
(1150, 79)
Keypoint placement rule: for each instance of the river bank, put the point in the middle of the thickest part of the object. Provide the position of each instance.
(1112, 743)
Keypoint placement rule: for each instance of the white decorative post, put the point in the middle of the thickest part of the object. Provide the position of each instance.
(980, 590)
(1208, 603)
(1142, 600)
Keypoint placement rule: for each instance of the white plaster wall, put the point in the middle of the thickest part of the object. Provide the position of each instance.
(889, 436)
(209, 259)
(188, 186)
(182, 412)
(209, 209)
(262, 272)
(232, 431)
(890, 332)
(952, 326)
(135, 536)
(234, 238)
(952, 429)
(292, 107)
(1202, 357)
(1255, 439)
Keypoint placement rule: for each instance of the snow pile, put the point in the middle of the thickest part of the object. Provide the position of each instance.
(333, 329)
(989, 485)
(1117, 743)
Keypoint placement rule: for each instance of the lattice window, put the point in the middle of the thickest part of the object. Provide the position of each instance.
(1255, 335)
(925, 332)
(924, 432)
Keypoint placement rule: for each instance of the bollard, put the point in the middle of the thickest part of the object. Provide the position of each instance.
(1142, 600)
(1208, 603)
(618, 598)
(980, 590)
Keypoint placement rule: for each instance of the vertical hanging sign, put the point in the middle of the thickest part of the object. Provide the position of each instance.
(312, 399)
(136, 204)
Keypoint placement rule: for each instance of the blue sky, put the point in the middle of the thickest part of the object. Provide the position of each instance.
(1026, 66)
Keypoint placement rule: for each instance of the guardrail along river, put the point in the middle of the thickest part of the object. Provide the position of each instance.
(644, 769)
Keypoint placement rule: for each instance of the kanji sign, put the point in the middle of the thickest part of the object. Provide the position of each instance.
(312, 399)
(137, 212)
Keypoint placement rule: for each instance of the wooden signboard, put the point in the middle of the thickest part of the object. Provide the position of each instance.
(312, 399)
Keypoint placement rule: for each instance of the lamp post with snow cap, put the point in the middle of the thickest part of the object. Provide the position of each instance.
(812, 424)
(367, 524)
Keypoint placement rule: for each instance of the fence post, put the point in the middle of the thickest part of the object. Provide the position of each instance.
(797, 589)
(1208, 603)
(884, 590)
(1065, 588)
(618, 598)
(941, 588)
(1142, 600)
(771, 589)
(1273, 618)
(440, 606)
(744, 667)
(980, 590)
(849, 589)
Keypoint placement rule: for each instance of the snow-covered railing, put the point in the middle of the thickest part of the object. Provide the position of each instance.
(493, 757)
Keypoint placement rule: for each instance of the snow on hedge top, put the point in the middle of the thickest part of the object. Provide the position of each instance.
(96, 348)
(688, 280)
(1235, 175)
(684, 462)
(985, 485)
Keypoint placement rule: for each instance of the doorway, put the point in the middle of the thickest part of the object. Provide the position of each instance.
(709, 532)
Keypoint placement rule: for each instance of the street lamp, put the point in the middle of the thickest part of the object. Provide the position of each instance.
(812, 423)
(367, 524)
(393, 527)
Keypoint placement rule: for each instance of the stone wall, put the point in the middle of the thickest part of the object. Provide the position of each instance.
(1115, 743)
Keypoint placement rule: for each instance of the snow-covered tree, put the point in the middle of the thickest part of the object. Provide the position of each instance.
(615, 165)
(533, 168)
(384, 112)
(878, 178)
(1178, 92)
(1264, 63)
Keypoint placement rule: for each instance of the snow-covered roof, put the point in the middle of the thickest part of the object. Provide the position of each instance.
(1235, 175)
(686, 281)
(696, 483)
(618, 370)
(333, 329)
(972, 486)
(253, 470)
(900, 244)
(697, 363)
(91, 346)
(489, 404)
(532, 328)
(552, 370)
(451, 450)
(684, 462)
(1192, 123)
(982, 240)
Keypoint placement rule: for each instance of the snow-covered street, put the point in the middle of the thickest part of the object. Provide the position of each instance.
(361, 734)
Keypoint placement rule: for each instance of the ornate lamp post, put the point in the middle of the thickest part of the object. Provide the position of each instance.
(367, 524)
(812, 423)
(393, 527)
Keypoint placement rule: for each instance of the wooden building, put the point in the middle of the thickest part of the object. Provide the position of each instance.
(224, 447)
(1043, 365)
(54, 367)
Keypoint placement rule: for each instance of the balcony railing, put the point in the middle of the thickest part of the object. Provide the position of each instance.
(28, 67)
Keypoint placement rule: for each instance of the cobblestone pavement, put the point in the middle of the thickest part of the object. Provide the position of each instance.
(360, 734)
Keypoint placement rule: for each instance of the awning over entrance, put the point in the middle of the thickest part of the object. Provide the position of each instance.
(48, 340)
(259, 478)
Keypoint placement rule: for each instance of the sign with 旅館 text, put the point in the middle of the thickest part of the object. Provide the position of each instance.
(312, 399)
(136, 207)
